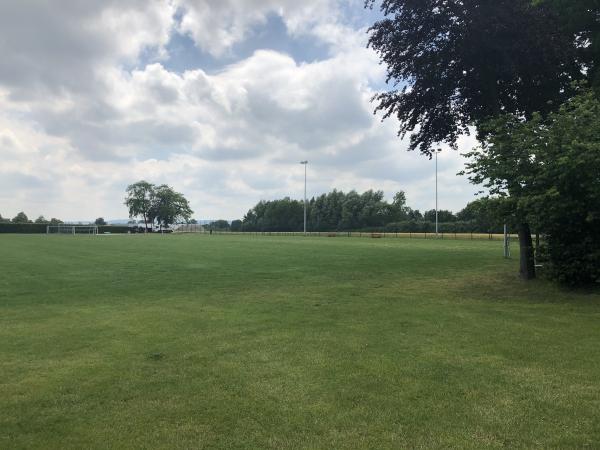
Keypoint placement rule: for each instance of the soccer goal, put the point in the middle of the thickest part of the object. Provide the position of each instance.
(72, 229)
(187, 228)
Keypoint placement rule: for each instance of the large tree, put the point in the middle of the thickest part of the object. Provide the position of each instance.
(21, 218)
(455, 64)
(582, 19)
(553, 163)
(139, 200)
(220, 225)
(169, 207)
(443, 215)
(485, 213)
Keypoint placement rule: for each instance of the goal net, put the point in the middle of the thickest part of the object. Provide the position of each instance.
(72, 229)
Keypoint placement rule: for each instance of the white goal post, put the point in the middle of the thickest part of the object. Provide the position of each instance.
(72, 229)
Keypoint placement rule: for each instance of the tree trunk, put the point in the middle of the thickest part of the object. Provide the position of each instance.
(527, 261)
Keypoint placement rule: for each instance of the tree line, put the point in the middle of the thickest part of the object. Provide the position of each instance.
(525, 75)
(22, 218)
(369, 211)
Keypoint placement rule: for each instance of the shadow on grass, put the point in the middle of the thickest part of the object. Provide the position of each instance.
(506, 287)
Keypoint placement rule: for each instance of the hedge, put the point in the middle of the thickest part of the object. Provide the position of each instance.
(25, 228)
(421, 226)
(40, 228)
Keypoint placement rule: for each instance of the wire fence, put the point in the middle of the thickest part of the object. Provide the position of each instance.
(363, 234)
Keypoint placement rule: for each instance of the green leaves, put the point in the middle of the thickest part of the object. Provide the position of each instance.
(157, 203)
(550, 168)
(169, 206)
(139, 199)
(455, 63)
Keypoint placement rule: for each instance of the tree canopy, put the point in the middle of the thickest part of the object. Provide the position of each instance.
(139, 199)
(169, 207)
(21, 218)
(220, 225)
(581, 18)
(157, 204)
(455, 63)
(551, 168)
(351, 211)
(458, 64)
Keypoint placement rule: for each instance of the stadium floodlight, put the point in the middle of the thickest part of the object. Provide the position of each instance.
(304, 163)
(436, 191)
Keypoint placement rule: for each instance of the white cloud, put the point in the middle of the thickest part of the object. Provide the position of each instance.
(217, 25)
(61, 47)
(82, 115)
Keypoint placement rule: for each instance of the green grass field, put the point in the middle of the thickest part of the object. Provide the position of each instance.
(256, 342)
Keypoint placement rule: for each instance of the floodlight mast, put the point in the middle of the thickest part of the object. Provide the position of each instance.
(436, 191)
(304, 163)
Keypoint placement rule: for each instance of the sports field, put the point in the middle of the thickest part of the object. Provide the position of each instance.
(288, 342)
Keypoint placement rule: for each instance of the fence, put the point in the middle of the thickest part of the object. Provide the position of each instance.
(41, 228)
(363, 234)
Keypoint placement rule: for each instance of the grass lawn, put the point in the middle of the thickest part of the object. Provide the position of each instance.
(257, 342)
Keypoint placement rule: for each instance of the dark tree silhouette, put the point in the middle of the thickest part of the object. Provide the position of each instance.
(454, 64)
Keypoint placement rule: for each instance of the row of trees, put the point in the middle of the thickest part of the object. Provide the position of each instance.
(156, 204)
(340, 211)
(525, 74)
(22, 218)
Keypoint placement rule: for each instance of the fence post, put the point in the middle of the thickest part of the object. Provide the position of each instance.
(506, 242)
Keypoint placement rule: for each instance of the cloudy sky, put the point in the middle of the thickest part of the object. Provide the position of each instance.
(219, 98)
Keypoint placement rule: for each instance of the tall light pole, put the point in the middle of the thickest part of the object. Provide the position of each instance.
(304, 163)
(436, 191)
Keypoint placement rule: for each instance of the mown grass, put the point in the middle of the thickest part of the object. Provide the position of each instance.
(256, 342)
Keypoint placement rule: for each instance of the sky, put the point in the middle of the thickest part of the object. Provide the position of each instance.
(220, 99)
